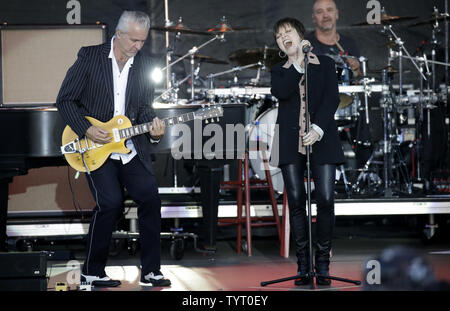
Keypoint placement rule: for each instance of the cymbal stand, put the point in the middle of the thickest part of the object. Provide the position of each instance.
(388, 148)
(399, 42)
(365, 81)
(211, 76)
(387, 113)
(365, 175)
(255, 81)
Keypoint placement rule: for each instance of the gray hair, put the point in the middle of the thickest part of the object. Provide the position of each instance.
(127, 17)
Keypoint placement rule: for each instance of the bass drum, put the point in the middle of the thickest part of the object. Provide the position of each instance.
(262, 129)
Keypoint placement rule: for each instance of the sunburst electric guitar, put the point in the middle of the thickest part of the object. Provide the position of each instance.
(84, 155)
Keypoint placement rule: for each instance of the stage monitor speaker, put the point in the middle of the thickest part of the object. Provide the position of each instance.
(23, 265)
(35, 59)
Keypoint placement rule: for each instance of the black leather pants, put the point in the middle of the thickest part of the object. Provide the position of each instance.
(324, 179)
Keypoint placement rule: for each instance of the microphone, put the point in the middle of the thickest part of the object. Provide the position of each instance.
(306, 46)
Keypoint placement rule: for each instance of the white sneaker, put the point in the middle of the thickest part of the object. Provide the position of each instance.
(155, 278)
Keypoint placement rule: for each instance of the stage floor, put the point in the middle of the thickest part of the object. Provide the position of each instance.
(227, 271)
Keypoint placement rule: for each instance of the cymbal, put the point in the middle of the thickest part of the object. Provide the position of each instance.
(243, 57)
(389, 69)
(180, 28)
(388, 20)
(434, 18)
(224, 27)
(206, 59)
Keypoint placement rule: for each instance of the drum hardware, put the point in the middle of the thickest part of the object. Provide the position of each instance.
(340, 171)
(436, 17)
(249, 90)
(410, 100)
(171, 94)
(345, 99)
(191, 53)
(365, 82)
(402, 48)
(218, 33)
(178, 29)
(390, 148)
(389, 114)
(234, 70)
(371, 178)
(427, 97)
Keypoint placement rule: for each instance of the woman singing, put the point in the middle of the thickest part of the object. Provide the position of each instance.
(288, 86)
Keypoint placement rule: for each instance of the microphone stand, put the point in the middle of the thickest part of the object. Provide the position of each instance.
(311, 274)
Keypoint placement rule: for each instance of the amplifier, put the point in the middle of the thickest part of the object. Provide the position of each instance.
(23, 265)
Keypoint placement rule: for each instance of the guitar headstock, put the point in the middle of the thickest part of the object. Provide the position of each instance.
(209, 112)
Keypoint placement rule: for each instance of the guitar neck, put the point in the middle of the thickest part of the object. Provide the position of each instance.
(145, 127)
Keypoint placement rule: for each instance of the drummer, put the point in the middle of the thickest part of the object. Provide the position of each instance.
(327, 41)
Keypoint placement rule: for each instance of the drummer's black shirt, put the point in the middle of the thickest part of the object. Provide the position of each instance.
(347, 43)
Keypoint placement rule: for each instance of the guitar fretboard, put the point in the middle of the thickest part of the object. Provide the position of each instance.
(145, 127)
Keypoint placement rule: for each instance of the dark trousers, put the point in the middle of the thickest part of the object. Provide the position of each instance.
(107, 185)
(324, 178)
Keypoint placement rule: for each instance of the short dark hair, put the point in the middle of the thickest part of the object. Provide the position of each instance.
(295, 23)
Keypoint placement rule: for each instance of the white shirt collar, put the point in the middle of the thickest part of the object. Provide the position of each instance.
(111, 52)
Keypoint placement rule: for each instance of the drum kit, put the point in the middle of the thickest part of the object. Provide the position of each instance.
(403, 108)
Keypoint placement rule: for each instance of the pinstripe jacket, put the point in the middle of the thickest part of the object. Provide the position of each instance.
(87, 90)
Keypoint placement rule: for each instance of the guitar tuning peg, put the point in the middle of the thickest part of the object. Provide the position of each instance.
(212, 120)
(206, 121)
(217, 119)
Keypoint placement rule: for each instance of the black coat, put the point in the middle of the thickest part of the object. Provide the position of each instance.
(323, 95)
(87, 90)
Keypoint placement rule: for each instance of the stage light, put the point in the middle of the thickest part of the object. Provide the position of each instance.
(157, 75)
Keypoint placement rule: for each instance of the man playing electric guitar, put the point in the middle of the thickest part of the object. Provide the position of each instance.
(108, 80)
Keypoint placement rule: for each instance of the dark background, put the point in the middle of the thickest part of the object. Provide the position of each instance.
(259, 15)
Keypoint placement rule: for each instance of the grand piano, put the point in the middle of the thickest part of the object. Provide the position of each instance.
(32, 139)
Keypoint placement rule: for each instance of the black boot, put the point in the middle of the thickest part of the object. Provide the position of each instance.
(303, 264)
(322, 262)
